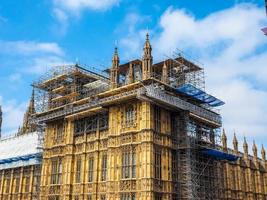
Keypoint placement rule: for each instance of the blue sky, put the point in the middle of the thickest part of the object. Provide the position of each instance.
(224, 35)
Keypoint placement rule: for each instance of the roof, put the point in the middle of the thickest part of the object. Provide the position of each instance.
(188, 66)
(219, 155)
(19, 151)
(199, 95)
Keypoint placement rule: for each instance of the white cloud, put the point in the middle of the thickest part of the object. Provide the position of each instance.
(227, 27)
(231, 45)
(77, 5)
(40, 65)
(30, 57)
(63, 10)
(62, 19)
(133, 35)
(13, 112)
(29, 47)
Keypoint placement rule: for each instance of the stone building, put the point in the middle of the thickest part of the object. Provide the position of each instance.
(138, 131)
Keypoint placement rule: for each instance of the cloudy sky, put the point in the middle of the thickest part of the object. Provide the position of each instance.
(224, 35)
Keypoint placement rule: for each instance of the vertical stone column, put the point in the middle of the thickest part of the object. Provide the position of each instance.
(67, 162)
(84, 167)
(31, 181)
(2, 183)
(145, 154)
(228, 180)
(11, 184)
(21, 183)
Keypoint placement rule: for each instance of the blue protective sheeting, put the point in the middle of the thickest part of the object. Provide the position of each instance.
(219, 155)
(21, 158)
(200, 95)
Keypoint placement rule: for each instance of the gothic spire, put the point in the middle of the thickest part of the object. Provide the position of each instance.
(235, 143)
(263, 153)
(255, 149)
(27, 125)
(31, 107)
(224, 140)
(147, 46)
(115, 58)
(114, 76)
(165, 73)
(147, 59)
(245, 146)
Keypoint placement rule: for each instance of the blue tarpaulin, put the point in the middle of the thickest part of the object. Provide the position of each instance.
(21, 158)
(219, 155)
(200, 95)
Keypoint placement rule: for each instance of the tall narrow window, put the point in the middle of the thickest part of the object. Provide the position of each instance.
(128, 164)
(90, 169)
(103, 197)
(103, 121)
(133, 164)
(26, 180)
(16, 181)
(7, 184)
(174, 166)
(157, 164)
(158, 196)
(127, 196)
(104, 168)
(59, 132)
(89, 197)
(79, 126)
(56, 172)
(56, 197)
(174, 126)
(129, 116)
(157, 120)
(78, 170)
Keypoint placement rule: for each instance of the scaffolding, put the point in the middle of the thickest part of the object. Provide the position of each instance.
(197, 175)
(66, 84)
(83, 95)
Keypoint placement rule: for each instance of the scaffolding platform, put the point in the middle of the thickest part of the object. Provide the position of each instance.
(199, 95)
(219, 155)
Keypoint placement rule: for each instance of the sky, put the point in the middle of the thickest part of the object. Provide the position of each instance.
(223, 35)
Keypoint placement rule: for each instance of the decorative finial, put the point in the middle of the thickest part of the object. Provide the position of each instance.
(115, 58)
(147, 46)
(224, 139)
(235, 142)
(116, 50)
(147, 36)
(147, 61)
(254, 149)
(114, 74)
(263, 153)
(245, 146)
